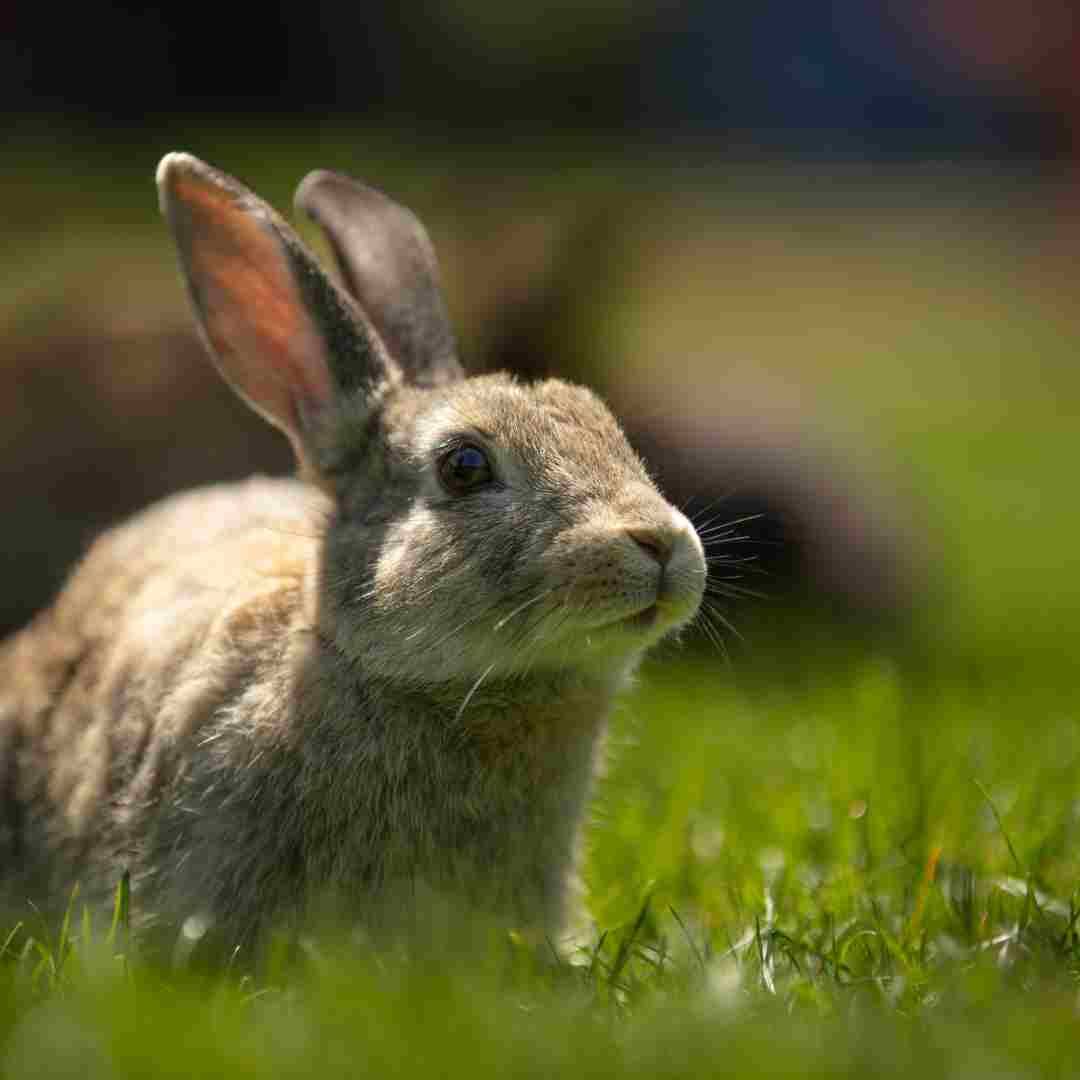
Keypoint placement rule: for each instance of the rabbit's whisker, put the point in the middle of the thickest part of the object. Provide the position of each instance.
(710, 506)
(711, 633)
(711, 543)
(475, 686)
(716, 537)
(529, 637)
(743, 520)
(716, 614)
(476, 616)
(521, 607)
(554, 621)
(725, 583)
(718, 528)
(719, 588)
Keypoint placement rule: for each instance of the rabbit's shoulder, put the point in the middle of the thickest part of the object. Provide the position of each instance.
(194, 555)
(203, 580)
(272, 515)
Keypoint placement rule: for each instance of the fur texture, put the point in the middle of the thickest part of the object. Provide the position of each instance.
(387, 677)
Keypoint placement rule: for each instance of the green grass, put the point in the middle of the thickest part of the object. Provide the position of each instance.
(855, 865)
(825, 857)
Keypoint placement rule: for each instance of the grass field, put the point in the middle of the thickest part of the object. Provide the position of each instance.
(822, 856)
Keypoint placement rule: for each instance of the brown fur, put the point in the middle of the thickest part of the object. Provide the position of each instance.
(363, 683)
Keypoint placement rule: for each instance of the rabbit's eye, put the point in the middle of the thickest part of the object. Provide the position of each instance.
(464, 469)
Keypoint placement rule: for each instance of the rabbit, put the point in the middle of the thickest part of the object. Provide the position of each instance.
(386, 677)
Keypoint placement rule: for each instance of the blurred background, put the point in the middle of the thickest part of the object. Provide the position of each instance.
(818, 255)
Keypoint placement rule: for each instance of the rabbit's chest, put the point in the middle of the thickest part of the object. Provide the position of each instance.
(489, 809)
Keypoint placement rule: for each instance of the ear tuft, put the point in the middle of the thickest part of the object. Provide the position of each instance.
(174, 165)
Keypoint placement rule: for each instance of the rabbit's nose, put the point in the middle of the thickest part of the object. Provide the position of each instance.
(655, 542)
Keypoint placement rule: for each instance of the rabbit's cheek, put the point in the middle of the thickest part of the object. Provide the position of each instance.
(413, 553)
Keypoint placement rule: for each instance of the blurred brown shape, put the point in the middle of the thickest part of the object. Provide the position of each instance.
(101, 421)
(806, 530)
(1034, 44)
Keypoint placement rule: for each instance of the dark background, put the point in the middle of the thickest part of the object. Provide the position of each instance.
(819, 78)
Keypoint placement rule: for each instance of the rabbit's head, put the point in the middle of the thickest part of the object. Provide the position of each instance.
(479, 526)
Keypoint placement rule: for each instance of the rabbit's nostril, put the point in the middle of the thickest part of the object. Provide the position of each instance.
(652, 542)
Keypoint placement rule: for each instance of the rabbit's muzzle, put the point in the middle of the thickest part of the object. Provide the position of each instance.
(640, 581)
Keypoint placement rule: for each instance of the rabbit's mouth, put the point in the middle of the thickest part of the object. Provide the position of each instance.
(664, 612)
(643, 619)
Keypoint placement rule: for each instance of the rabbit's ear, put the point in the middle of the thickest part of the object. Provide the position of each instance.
(286, 338)
(389, 265)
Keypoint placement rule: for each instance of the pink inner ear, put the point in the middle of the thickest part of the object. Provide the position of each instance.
(263, 336)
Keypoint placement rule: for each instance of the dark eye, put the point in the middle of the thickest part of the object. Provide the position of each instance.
(464, 469)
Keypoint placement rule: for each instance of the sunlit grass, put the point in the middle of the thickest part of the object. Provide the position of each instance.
(858, 865)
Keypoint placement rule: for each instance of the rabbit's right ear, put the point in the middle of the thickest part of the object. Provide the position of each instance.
(388, 263)
(286, 338)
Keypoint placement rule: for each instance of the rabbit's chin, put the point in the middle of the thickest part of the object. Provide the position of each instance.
(604, 646)
(600, 647)
(626, 638)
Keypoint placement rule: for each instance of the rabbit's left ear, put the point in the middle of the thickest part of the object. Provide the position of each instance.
(389, 265)
(288, 340)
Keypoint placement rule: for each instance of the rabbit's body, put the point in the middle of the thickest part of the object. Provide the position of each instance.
(391, 676)
(193, 769)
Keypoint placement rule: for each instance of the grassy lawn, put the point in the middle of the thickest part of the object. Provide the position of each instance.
(824, 856)
(856, 868)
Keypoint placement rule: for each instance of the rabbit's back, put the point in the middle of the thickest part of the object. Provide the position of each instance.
(170, 617)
